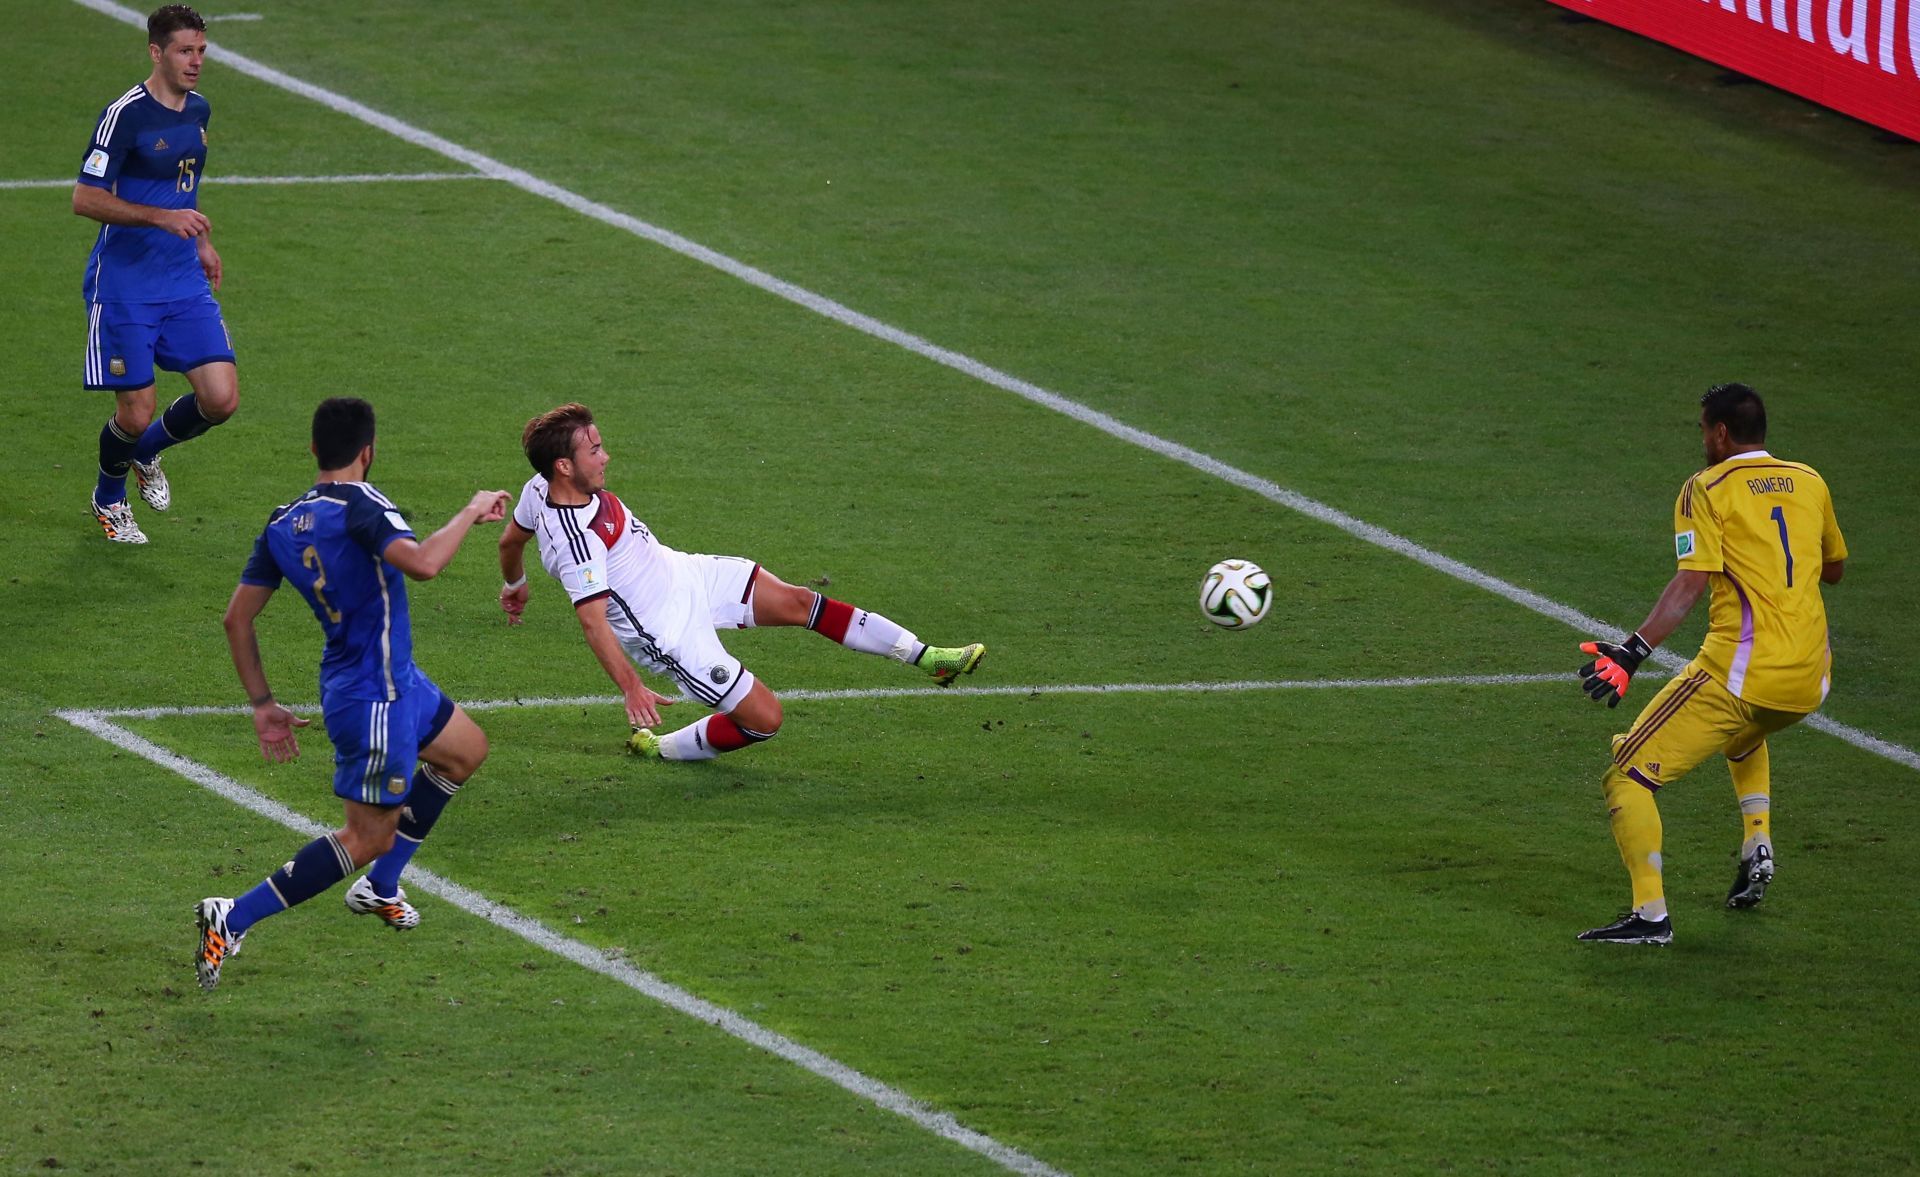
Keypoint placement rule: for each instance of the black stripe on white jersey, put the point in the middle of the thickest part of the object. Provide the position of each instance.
(705, 692)
(575, 540)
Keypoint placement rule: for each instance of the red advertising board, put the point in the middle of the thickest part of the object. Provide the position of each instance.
(1860, 57)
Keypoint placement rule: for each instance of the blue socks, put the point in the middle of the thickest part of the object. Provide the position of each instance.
(323, 862)
(116, 450)
(431, 792)
(181, 422)
(320, 864)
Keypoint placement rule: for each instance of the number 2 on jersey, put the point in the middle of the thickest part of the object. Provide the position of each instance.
(311, 559)
(1779, 517)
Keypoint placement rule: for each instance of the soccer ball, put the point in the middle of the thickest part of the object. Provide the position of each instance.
(1235, 594)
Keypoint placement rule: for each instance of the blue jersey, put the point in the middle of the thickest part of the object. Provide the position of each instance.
(328, 543)
(145, 153)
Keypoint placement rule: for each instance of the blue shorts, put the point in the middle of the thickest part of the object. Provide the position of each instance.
(375, 744)
(126, 340)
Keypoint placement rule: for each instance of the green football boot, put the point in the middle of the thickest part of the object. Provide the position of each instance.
(644, 744)
(946, 663)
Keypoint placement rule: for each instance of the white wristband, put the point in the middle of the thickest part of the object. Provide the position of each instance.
(510, 586)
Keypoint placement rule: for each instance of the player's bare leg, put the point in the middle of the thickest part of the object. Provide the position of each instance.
(446, 764)
(760, 710)
(216, 390)
(775, 602)
(132, 412)
(460, 748)
(369, 831)
(215, 397)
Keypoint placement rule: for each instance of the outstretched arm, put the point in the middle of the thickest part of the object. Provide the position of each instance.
(273, 723)
(513, 571)
(1605, 678)
(1678, 599)
(642, 701)
(426, 559)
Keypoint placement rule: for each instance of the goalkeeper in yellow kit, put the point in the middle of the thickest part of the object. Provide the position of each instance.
(1760, 532)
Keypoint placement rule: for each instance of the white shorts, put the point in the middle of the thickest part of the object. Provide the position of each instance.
(679, 638)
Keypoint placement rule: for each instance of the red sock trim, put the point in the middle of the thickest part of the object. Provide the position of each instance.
(835, 617)
(724, 735)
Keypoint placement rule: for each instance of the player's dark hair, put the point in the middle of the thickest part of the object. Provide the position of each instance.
(1737, 407)
(549, 437)
(169, 19)
(342, 427)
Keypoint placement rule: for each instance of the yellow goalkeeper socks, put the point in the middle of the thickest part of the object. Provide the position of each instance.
(1753, 785)
(1636, 830)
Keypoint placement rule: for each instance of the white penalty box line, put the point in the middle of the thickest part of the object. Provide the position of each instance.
(1037, 690)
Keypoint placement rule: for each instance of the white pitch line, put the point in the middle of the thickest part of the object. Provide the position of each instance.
(586, 956)
(1112, 426)
(219, 180)
(1036, 690)
(353, 178)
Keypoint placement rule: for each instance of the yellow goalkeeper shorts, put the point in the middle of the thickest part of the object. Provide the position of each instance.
(1690, 719)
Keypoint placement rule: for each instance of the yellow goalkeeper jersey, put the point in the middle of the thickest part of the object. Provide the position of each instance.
(1762, 528)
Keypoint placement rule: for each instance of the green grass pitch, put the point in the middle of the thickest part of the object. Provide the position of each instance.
(1459, 271)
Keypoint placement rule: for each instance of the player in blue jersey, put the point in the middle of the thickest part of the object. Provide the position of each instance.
(344, 547)
(147, 280)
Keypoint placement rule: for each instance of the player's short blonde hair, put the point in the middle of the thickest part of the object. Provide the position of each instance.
(550, 436)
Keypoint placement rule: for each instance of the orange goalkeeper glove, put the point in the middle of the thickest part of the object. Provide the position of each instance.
(1605, 678)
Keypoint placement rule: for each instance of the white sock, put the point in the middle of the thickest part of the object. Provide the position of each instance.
(688, 743)
(857, 629)
(871, 633)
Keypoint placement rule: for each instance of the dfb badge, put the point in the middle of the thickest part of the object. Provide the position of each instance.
(720, 675)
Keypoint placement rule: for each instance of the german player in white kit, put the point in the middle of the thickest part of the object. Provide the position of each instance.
(640, 601)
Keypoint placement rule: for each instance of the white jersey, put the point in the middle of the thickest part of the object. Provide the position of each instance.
(663, 604)
(600, 549)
